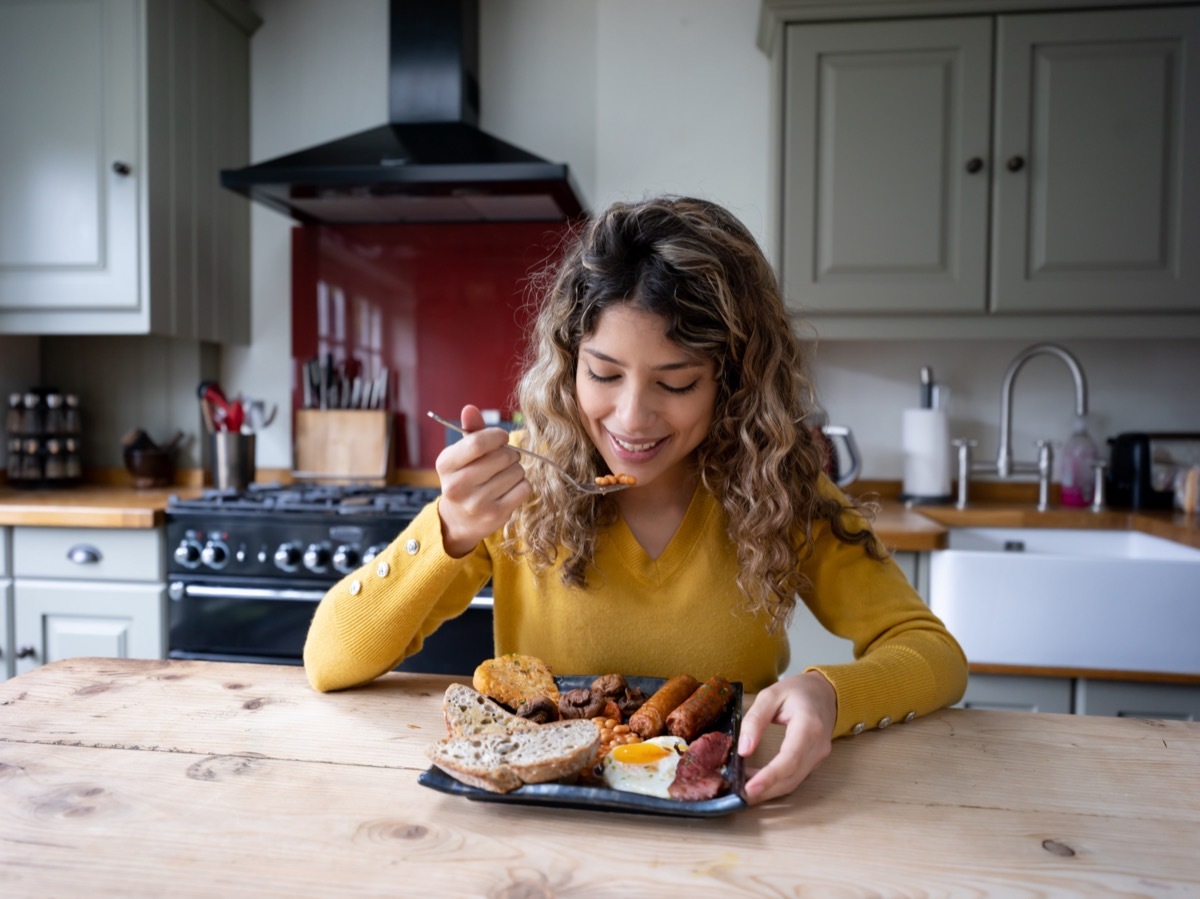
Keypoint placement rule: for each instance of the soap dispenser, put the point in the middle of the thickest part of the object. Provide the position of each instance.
(1079, 456)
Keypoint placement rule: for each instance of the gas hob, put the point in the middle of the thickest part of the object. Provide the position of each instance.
(306, 533)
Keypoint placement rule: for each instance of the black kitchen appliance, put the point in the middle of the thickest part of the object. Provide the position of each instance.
(431, 162)
(246, 569)
(1142, 467)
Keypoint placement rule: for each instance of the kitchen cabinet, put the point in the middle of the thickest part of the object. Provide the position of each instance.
(1124, 699)
(88, 592)
(6, 608)
(811, 644)
(117, 117)
(993, 167)
(1015, 693)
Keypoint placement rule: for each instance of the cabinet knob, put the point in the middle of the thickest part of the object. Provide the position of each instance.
(122, 168)
(1015, 163)
(83, 554)
(26, 652)
(974, 165)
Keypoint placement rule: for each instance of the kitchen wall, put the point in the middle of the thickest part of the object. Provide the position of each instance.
(19, 365)
(640, 97)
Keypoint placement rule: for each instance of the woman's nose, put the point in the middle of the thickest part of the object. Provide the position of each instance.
(635, 410)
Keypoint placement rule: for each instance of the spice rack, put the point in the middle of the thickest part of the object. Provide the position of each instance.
(43, 438)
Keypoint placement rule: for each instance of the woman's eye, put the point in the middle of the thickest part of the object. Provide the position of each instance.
(682, 390)
(603, 380)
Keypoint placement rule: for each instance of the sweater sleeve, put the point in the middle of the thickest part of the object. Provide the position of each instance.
(381, 613)
(906, 662)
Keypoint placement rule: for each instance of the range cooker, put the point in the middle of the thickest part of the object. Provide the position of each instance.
(246, 569)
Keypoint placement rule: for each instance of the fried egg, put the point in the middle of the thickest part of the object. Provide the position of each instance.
(647, 767)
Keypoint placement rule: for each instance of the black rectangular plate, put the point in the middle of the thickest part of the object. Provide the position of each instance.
(604, 799)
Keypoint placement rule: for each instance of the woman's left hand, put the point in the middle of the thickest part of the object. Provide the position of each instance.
(805, 704)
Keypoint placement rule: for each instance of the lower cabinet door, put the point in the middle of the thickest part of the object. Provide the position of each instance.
(66, 619)
(1012, 693)
(1123, 699)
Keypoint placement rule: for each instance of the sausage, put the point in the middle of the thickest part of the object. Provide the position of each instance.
(701, 709)
(651, 719)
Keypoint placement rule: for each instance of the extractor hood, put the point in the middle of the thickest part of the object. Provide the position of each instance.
(431, 162)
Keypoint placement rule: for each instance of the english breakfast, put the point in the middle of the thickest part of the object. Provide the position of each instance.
(514, 726)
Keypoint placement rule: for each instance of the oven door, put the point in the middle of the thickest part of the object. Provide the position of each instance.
(268, 623)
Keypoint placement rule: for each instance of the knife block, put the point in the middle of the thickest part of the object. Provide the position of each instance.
(343, 445)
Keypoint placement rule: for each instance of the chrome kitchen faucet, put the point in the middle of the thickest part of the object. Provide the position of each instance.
(1004, 466)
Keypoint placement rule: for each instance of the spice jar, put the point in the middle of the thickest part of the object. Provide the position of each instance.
(74, 467)
(71, 414)
(56, 468)
(31, 418)
(54, 422)
(15, 419)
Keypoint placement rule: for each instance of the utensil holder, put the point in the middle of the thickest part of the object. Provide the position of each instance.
(343, 445)
(232, 460)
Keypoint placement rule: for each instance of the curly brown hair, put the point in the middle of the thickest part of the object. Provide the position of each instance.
(696, 266)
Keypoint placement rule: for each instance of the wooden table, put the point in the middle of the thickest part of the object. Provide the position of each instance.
(137, 778)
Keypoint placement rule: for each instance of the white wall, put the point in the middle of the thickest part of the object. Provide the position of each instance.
(641, 97)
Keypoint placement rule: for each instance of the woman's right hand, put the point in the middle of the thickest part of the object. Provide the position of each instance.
(482, 484)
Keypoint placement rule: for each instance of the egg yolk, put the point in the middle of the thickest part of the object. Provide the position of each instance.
(640, 753)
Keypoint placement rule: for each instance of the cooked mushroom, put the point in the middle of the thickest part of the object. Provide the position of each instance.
(611, 685)
(580, 703)
(541, 709)
(630, 701)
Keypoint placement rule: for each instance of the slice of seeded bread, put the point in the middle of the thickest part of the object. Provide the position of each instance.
(469, 712)
(500, 763)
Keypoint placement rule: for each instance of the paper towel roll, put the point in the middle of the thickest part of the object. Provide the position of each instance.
(926, 443)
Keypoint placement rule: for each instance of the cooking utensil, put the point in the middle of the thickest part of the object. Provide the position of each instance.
(586, 488)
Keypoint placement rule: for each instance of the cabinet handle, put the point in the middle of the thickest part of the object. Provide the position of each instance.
(1015, 163)
(83, 554)
(122, 168)
(26, 652)
(974, 165)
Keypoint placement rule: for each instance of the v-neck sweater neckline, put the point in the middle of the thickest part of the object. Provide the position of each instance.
(679, 549)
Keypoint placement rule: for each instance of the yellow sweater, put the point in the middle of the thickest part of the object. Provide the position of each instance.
(658, 617)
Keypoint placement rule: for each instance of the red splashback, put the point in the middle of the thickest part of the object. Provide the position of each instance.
(444, 307)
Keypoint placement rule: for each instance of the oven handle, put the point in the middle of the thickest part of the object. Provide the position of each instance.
(177, 590)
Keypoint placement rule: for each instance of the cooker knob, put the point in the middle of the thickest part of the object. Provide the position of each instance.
(373, 551)
(346, 558)
(187, 554)
(316, 557)
(287, 557)
(215, 554)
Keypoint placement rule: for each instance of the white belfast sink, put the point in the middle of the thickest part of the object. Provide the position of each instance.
(1115, 600)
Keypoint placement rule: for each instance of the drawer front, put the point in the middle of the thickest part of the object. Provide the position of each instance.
(61, 619)
(5, 538)
(118, 554)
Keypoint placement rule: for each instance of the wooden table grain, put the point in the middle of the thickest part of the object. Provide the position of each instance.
(151, 778)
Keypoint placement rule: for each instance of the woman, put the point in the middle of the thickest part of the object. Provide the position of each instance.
(662, 350)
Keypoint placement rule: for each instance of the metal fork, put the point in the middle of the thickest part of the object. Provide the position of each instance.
(586, 488)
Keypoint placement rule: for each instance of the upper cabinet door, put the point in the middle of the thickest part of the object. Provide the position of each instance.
(886, 167)
(1097, 162)
(70, 145)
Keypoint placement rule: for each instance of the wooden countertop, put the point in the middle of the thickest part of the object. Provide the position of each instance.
(901, 528)
(88, 506)
(133, 778)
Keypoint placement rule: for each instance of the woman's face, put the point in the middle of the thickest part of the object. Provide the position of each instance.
(646, 402)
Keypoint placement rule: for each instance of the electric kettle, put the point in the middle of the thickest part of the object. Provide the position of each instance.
(843, 463)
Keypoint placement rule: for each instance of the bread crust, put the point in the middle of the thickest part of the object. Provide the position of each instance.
(501, 763)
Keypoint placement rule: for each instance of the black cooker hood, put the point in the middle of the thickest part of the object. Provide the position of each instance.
(431, 162)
